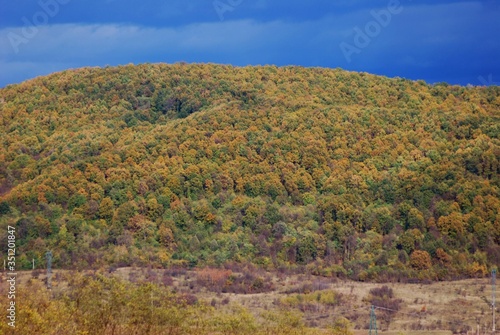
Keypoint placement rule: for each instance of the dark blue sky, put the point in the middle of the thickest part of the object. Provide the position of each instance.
(434, 40)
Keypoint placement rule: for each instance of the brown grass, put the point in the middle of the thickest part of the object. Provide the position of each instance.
(435, 308)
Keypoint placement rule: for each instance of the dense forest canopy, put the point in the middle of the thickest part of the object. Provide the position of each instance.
(343, 173)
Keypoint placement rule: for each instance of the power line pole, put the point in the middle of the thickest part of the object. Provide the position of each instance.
(493, 288)
(373, 322)
(48, 255)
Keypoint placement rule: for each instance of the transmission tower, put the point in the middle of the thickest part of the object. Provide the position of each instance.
(493, 288)
(373, 322)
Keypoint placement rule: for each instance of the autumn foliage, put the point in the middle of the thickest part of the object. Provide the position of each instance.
(340, 173)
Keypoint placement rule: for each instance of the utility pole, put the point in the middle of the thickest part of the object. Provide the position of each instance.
(48, 255)
(493, 288)
(373, 322)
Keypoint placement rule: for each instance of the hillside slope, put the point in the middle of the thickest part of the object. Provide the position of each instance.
(347, 173)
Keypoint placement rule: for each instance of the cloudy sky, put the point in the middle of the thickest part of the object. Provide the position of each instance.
(434, 40)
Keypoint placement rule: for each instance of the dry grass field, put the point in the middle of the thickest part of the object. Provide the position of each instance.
(439, 308)
(431, 308)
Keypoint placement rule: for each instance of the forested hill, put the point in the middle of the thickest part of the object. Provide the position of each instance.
(342, 173)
